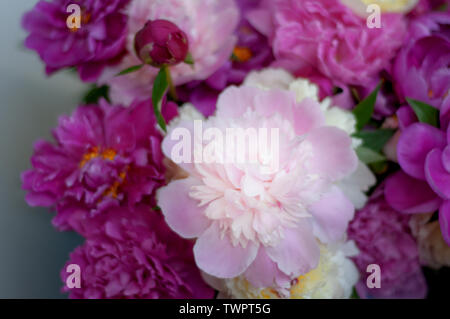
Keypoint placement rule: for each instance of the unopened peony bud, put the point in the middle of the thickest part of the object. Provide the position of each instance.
(160, 43)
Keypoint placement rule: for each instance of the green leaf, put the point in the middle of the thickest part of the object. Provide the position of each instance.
(375, 140)
(425, 113)
(368, 156)
(132, 69)
(363, 111)
(354, 294)
(95, 94)
(159, 90)
(189, 59)
(379, 167)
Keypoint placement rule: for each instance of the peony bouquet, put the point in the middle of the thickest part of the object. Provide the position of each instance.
(248, 149)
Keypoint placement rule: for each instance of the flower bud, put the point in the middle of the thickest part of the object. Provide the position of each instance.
(160, 42)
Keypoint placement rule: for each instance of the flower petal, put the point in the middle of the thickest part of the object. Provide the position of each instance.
(332, 215)
(297, 253)
(410, 195)
(263, 272)
(436, 174)
(414, 145)
(182, 213)
(332, 152)
(218, 257)
(233, 101)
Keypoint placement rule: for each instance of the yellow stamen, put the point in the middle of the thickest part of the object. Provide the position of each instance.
(108, 154)
(93, 153)
(113, 191)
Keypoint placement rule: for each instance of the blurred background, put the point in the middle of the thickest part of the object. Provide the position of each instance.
(32, 252)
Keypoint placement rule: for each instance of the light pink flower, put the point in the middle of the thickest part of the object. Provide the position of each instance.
(209, 26)
(255, 222)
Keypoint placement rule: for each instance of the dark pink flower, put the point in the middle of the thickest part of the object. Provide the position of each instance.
(98, 42)
(384, 238)
(132, 254)
(103, 156)
(161, 42)
(423, 185)
(421, 70)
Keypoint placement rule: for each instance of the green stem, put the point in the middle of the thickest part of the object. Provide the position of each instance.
(172, 90)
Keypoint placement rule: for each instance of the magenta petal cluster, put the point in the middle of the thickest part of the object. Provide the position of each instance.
(260, 220)
(99, 41)
(132, 254)
(421, 70)
(103, 156)
(384, 238)
(424, 184)
(325, 38)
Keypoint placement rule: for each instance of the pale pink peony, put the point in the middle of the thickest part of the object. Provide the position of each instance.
(209, 26)
(260, 220)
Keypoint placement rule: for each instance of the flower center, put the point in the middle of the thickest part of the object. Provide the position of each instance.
(113, 191)
(94, 152)
(85, 18)
(242, 54)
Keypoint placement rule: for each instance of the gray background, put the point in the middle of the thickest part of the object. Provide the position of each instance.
(32, 252)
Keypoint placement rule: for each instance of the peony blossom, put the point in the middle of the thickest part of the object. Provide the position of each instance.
(324, 38)
(133, 254)
(423, 185)
(98, 42)
(384, 238)
(209, 26)
(354, 186)
(333, 278)
(103, 156)
(421, 69)
(258, 219)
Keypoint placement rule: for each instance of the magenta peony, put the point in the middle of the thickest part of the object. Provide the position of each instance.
(384, 238)
(133, 254)
(98, 42)
(104, 156)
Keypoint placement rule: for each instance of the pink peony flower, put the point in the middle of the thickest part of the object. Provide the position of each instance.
(324, 38)
(257, 219)
(104, 156)
(421, 69)
(98, 42)
(132, 254)
(384, 238)
(209, 26)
